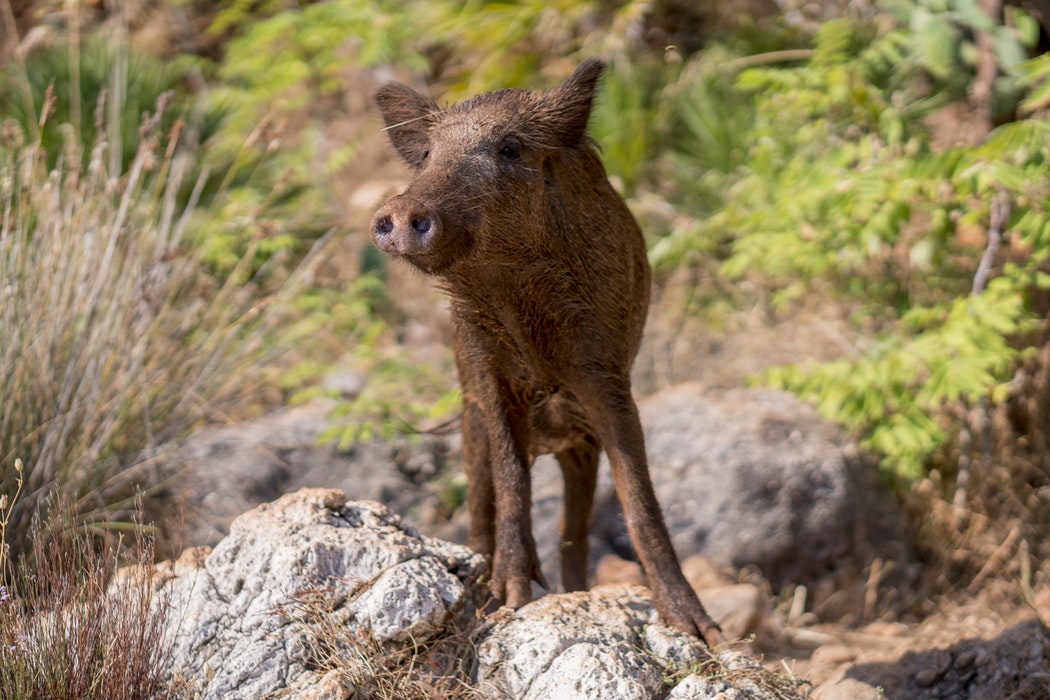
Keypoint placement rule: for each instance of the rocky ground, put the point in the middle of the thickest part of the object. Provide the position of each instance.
(790, 542)
(314, 597)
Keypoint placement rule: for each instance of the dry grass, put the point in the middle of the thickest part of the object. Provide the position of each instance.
(439, 666)
(443, 665)
(743, 673)
(115, 339)
(68, 629)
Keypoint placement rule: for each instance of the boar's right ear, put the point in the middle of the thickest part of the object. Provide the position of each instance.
(569, 104)
(407, 117)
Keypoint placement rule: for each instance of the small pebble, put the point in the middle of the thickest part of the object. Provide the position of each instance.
(834, 654)
(926, 677)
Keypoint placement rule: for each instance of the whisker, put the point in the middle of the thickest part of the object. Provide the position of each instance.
(428, 115)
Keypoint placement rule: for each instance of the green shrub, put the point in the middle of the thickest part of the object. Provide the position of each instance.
(839, 193)
(626, 118)
(86, 92)
(280, 88)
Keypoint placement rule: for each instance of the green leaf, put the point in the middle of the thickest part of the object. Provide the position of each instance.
(973, 16)
(935, 45)
(1027, 27)
(1009, 51)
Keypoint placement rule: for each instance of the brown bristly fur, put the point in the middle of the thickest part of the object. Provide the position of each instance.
(511, 211)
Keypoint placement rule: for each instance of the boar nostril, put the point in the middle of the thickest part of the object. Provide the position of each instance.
(384, 225)
(421, 226)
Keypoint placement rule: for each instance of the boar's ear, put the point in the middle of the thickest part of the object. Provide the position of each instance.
(569, 104)
(407, 117)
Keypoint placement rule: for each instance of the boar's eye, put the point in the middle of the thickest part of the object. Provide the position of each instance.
(510, 150)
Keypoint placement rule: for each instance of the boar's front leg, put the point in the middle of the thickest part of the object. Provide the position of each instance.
(613, 412)
(515, 563)
(497, 465)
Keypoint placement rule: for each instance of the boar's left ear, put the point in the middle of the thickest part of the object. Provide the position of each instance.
(569, 104)
(407, 116)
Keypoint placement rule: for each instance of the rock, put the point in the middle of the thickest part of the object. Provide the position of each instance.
(228, 470)
(702, 574)
(672, 650)
(607, 643)
(407, 601)
(330, 686)
(1016, 663)
(603, 643)
(316, 598)
(592, 670)
(739, 609)
(239, 621)
(577, 645)
(833, 654)
(696, 687)
(744, 686)
(757, 478)
(346, 384)
(847, 689)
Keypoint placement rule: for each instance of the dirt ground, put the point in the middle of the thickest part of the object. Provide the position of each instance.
(968, 647)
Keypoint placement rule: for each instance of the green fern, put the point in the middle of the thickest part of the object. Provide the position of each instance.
(838, 190)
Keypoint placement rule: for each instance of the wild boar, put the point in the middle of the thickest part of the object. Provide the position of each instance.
(510, 210)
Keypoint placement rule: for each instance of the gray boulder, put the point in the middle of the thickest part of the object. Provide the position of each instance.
(745, 478)
(589, 644)
(758, 478)
(244, 620)
(315, 597)
(227, 470)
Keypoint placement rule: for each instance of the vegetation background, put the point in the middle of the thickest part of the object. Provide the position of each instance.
(179, 243)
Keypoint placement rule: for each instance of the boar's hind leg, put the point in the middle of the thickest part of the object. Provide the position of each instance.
(579, 466)
(481, 499)
(615, 416)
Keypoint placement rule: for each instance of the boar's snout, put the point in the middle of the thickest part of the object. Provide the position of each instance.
(404, 226)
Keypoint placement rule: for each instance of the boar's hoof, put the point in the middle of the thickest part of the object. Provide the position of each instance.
(690, 617)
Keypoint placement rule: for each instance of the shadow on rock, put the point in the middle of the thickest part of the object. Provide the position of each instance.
(1013, 666)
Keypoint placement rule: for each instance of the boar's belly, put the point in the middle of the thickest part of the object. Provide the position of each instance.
(557, 422)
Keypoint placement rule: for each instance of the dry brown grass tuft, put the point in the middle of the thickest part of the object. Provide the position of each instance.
(441, 666)
(743, 673)
(116, 338)
(70, 629)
